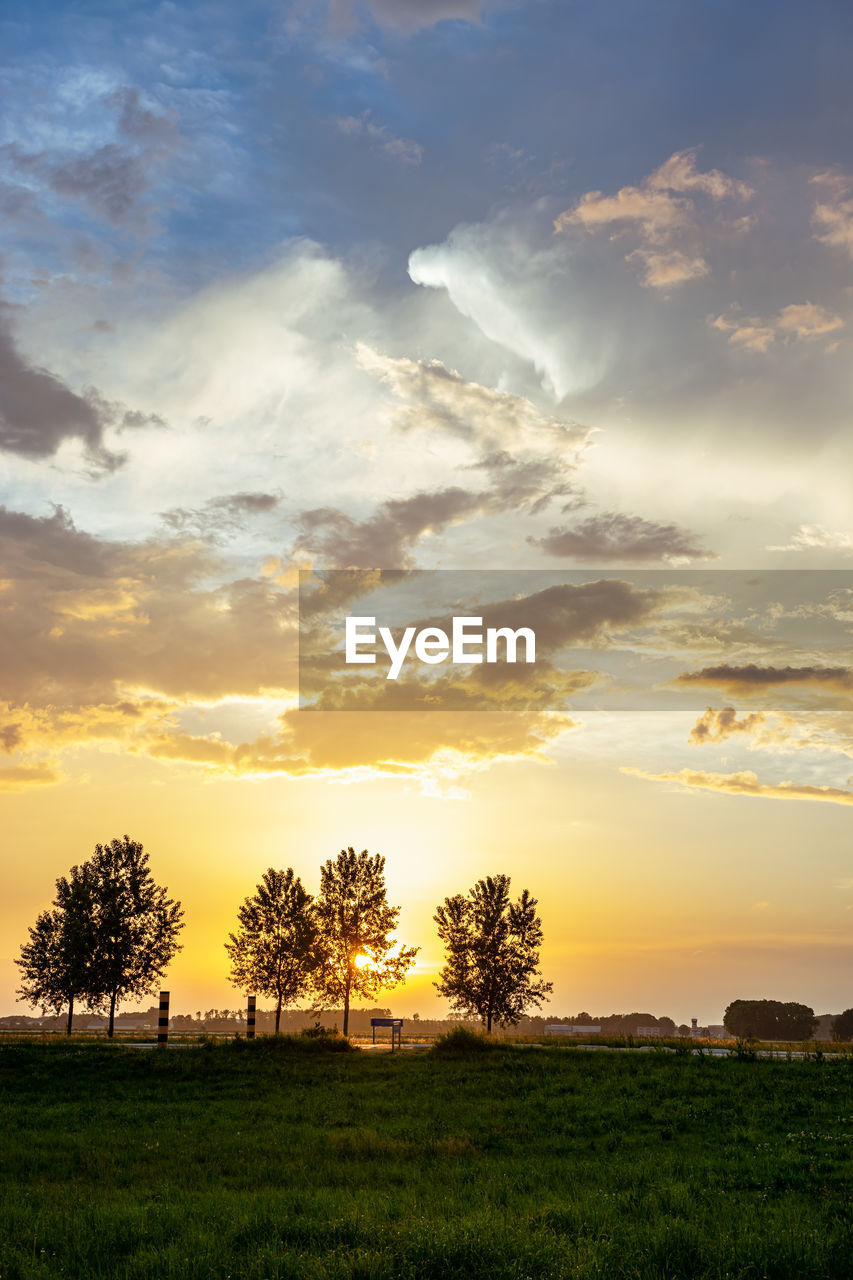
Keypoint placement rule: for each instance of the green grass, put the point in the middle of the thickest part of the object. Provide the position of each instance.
(263, 1161)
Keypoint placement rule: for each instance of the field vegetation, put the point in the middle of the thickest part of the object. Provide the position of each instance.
(303, 1157)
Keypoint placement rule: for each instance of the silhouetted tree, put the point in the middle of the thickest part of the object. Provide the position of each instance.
(56, 962)
(356, 956)
(272, 952)
(769, 1020)
(492, 944)
(842, 1026)
(137, 926)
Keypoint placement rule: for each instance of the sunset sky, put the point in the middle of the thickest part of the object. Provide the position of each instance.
(558, 294)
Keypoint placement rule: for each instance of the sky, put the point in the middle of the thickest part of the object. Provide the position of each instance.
(554, 293)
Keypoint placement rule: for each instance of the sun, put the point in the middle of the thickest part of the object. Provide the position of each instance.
(362, 961)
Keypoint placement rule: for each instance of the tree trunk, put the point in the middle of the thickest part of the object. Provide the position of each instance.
(277, 1015)
(346, 1004)
(112, 1015)
(489, 1023)
(70, 1014)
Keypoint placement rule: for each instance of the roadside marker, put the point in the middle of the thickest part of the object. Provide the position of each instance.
(163, 1021)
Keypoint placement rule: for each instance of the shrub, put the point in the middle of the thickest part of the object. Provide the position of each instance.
(462, 1043)
(309, 1041)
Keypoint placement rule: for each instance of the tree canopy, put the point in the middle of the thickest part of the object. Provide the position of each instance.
(137, 926)
(56, 962)
(110, 934)
(273, 951)
(492, 944)
(770, 1020)
(842, 1026)
(356, 955)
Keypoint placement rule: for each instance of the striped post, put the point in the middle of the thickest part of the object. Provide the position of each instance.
(250, 1019)
(163, 1021)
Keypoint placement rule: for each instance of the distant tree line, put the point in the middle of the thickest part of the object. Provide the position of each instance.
(770, 1020)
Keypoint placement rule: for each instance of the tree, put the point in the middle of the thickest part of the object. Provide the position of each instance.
(769, 1020)
(137, 926)
(273, 951)
(56, 962)
(842, 1026)
(492, 944)
(356, 957)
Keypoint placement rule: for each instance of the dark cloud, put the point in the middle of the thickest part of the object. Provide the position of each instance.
(222, 516)
(38, 411)
(10, 736)
(717, 726)
(110, 180)
(388, 536)
(754, 679)
(51, 542)
(89, 621)
(612, 536)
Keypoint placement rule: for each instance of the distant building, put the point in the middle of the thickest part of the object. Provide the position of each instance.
(649, 1032)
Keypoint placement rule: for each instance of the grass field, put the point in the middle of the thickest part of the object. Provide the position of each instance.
(266, 1160)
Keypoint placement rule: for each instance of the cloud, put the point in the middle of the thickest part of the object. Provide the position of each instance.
(746, 784)
(661, 212)
(224, 516)
(717, 726)
(22, 777)
(528, 455)
(38, 412)
(663, 268)
(519, 292)
(797, 320)
(405, 150)
(525, 456)
(110, 180)
(777, 730)
(813, 537)
(85, 620)
(440, 399)
(387, 538)
(832, 217)
(752, 679)
(420, 745)
(611, 536)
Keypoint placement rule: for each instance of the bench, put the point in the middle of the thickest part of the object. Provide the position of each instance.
(396, 1025)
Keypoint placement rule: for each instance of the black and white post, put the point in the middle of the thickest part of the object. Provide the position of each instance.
(250, 1018)
(163, 1021)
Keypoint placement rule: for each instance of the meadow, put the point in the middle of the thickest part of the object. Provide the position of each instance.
(299, 1158)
